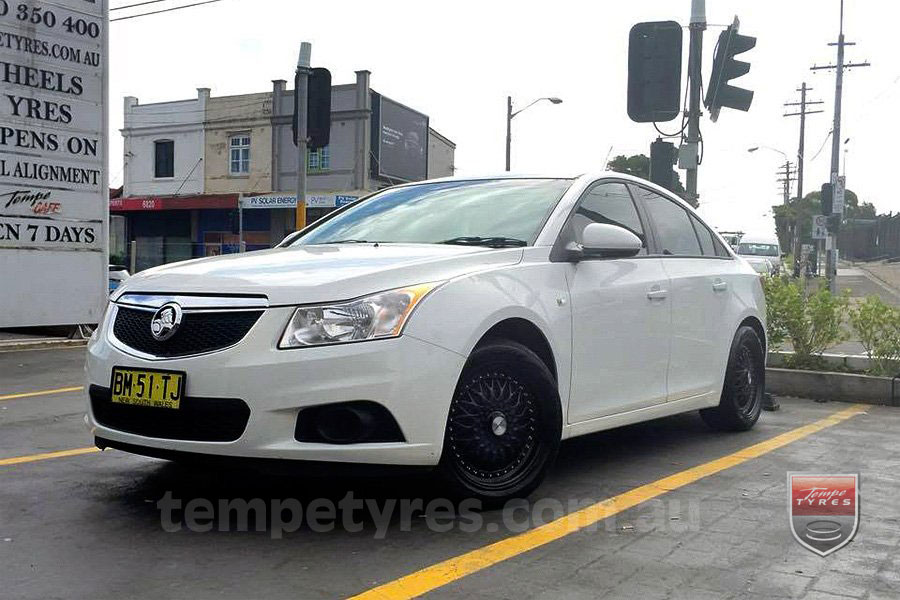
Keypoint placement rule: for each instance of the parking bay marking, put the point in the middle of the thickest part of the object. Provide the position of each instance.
(18, 460)
(448, 571)
(42, 393)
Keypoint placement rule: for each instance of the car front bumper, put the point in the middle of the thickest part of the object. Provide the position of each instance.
(413, 379)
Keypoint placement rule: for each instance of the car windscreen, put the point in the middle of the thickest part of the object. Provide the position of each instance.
(497, 212)
(749, 249)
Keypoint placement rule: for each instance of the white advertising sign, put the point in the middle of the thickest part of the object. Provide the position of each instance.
(270, 201)
(53, 161)
(290, 201)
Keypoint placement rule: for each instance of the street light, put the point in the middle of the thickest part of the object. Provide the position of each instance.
(509, 117)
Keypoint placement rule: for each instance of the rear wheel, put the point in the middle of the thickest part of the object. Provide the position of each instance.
(745, 382)
(504, 426)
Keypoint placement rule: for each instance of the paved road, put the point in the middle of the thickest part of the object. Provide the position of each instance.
(696, 515)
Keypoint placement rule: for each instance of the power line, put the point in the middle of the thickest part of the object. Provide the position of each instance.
(164, 10)
(137, 4)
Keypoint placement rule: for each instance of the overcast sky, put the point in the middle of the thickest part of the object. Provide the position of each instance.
(458, 61)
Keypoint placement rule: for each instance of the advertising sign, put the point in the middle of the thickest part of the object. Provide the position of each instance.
(270, 201)
(400, 141)
(53, 161)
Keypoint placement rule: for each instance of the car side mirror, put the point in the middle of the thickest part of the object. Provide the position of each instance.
(784, 255)
(601, 240)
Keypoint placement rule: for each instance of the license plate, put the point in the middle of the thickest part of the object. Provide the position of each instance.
(157, 389)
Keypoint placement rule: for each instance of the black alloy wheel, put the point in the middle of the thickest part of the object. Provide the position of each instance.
(504, 425)
(745, 382)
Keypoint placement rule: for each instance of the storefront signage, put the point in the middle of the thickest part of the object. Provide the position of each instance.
(53, 161)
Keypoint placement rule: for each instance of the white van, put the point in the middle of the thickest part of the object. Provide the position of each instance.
(761, 248)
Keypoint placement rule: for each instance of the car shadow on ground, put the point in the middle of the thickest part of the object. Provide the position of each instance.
(238, 501)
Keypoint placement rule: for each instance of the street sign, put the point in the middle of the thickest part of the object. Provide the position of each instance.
(840, 185)
(820, 227)
(54, 172)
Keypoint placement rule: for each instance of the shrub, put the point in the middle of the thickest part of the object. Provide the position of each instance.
(812, 323)
(878, 327)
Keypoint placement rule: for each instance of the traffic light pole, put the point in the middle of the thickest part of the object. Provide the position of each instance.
(695, 80)
(302, 91)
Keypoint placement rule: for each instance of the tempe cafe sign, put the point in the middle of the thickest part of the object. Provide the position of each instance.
(53, 161)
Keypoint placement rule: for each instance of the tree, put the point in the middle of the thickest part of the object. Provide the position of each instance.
(802, 211)
(639, 166)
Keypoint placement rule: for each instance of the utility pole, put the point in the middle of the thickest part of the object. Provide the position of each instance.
(786, 179)
(801, 112)
(690, 151)
(302, 96)
(509, 116)
(839, 66)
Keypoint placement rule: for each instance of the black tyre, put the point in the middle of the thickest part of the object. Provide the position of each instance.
(504, 426)
(745, 384)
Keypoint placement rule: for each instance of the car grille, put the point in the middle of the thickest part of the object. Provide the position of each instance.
(199, 331)
(197, 419)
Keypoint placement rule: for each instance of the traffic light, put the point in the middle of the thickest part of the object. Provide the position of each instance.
(725, 68)
(662, 158)
(318, 108)
(654, 71)
(827, 199)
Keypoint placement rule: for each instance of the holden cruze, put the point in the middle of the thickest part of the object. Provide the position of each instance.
(468, 325)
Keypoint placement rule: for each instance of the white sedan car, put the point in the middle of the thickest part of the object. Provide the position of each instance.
(468, 325)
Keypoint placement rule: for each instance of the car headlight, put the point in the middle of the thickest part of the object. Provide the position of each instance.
(378, 316)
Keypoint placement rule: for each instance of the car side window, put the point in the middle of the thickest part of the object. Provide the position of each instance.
(674, 232)
(705, 236)
(608, 203)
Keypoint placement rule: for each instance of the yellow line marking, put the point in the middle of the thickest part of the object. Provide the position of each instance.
(442, 573)
(18, 460)
(42, 393)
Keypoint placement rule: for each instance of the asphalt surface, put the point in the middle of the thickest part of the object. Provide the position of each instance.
(89, 525)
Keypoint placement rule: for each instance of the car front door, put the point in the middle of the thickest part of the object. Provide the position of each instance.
(700, 291)
(620, 314)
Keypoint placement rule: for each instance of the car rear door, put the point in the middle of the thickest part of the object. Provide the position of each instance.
(701, 291)
(620, 314)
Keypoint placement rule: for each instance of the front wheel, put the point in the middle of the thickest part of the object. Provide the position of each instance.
(504, 426)
(745, 382)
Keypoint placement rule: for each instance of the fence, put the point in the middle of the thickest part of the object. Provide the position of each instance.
(870, 239)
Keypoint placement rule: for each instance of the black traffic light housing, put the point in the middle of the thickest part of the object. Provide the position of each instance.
(827, 199)
(654, 71)
(834, 220)
(318, 108)
(662, 159)
(725, 68)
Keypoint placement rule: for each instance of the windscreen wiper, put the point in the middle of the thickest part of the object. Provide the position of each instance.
(490, 242)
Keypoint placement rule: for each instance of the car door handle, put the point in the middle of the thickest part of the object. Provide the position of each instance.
(720, 286)
(657, 293)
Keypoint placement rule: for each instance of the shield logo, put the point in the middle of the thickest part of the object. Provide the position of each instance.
(166, 321)
(823, 510)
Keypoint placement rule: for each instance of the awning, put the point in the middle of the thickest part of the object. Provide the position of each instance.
(200, 201)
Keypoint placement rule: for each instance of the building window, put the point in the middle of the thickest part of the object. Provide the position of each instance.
(318, 160)
(164, 158)
(239, 151)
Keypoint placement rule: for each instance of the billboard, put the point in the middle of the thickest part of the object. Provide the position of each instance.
(53, 162)
(399, 141)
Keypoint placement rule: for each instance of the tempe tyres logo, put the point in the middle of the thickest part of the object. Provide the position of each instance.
(823, 510)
